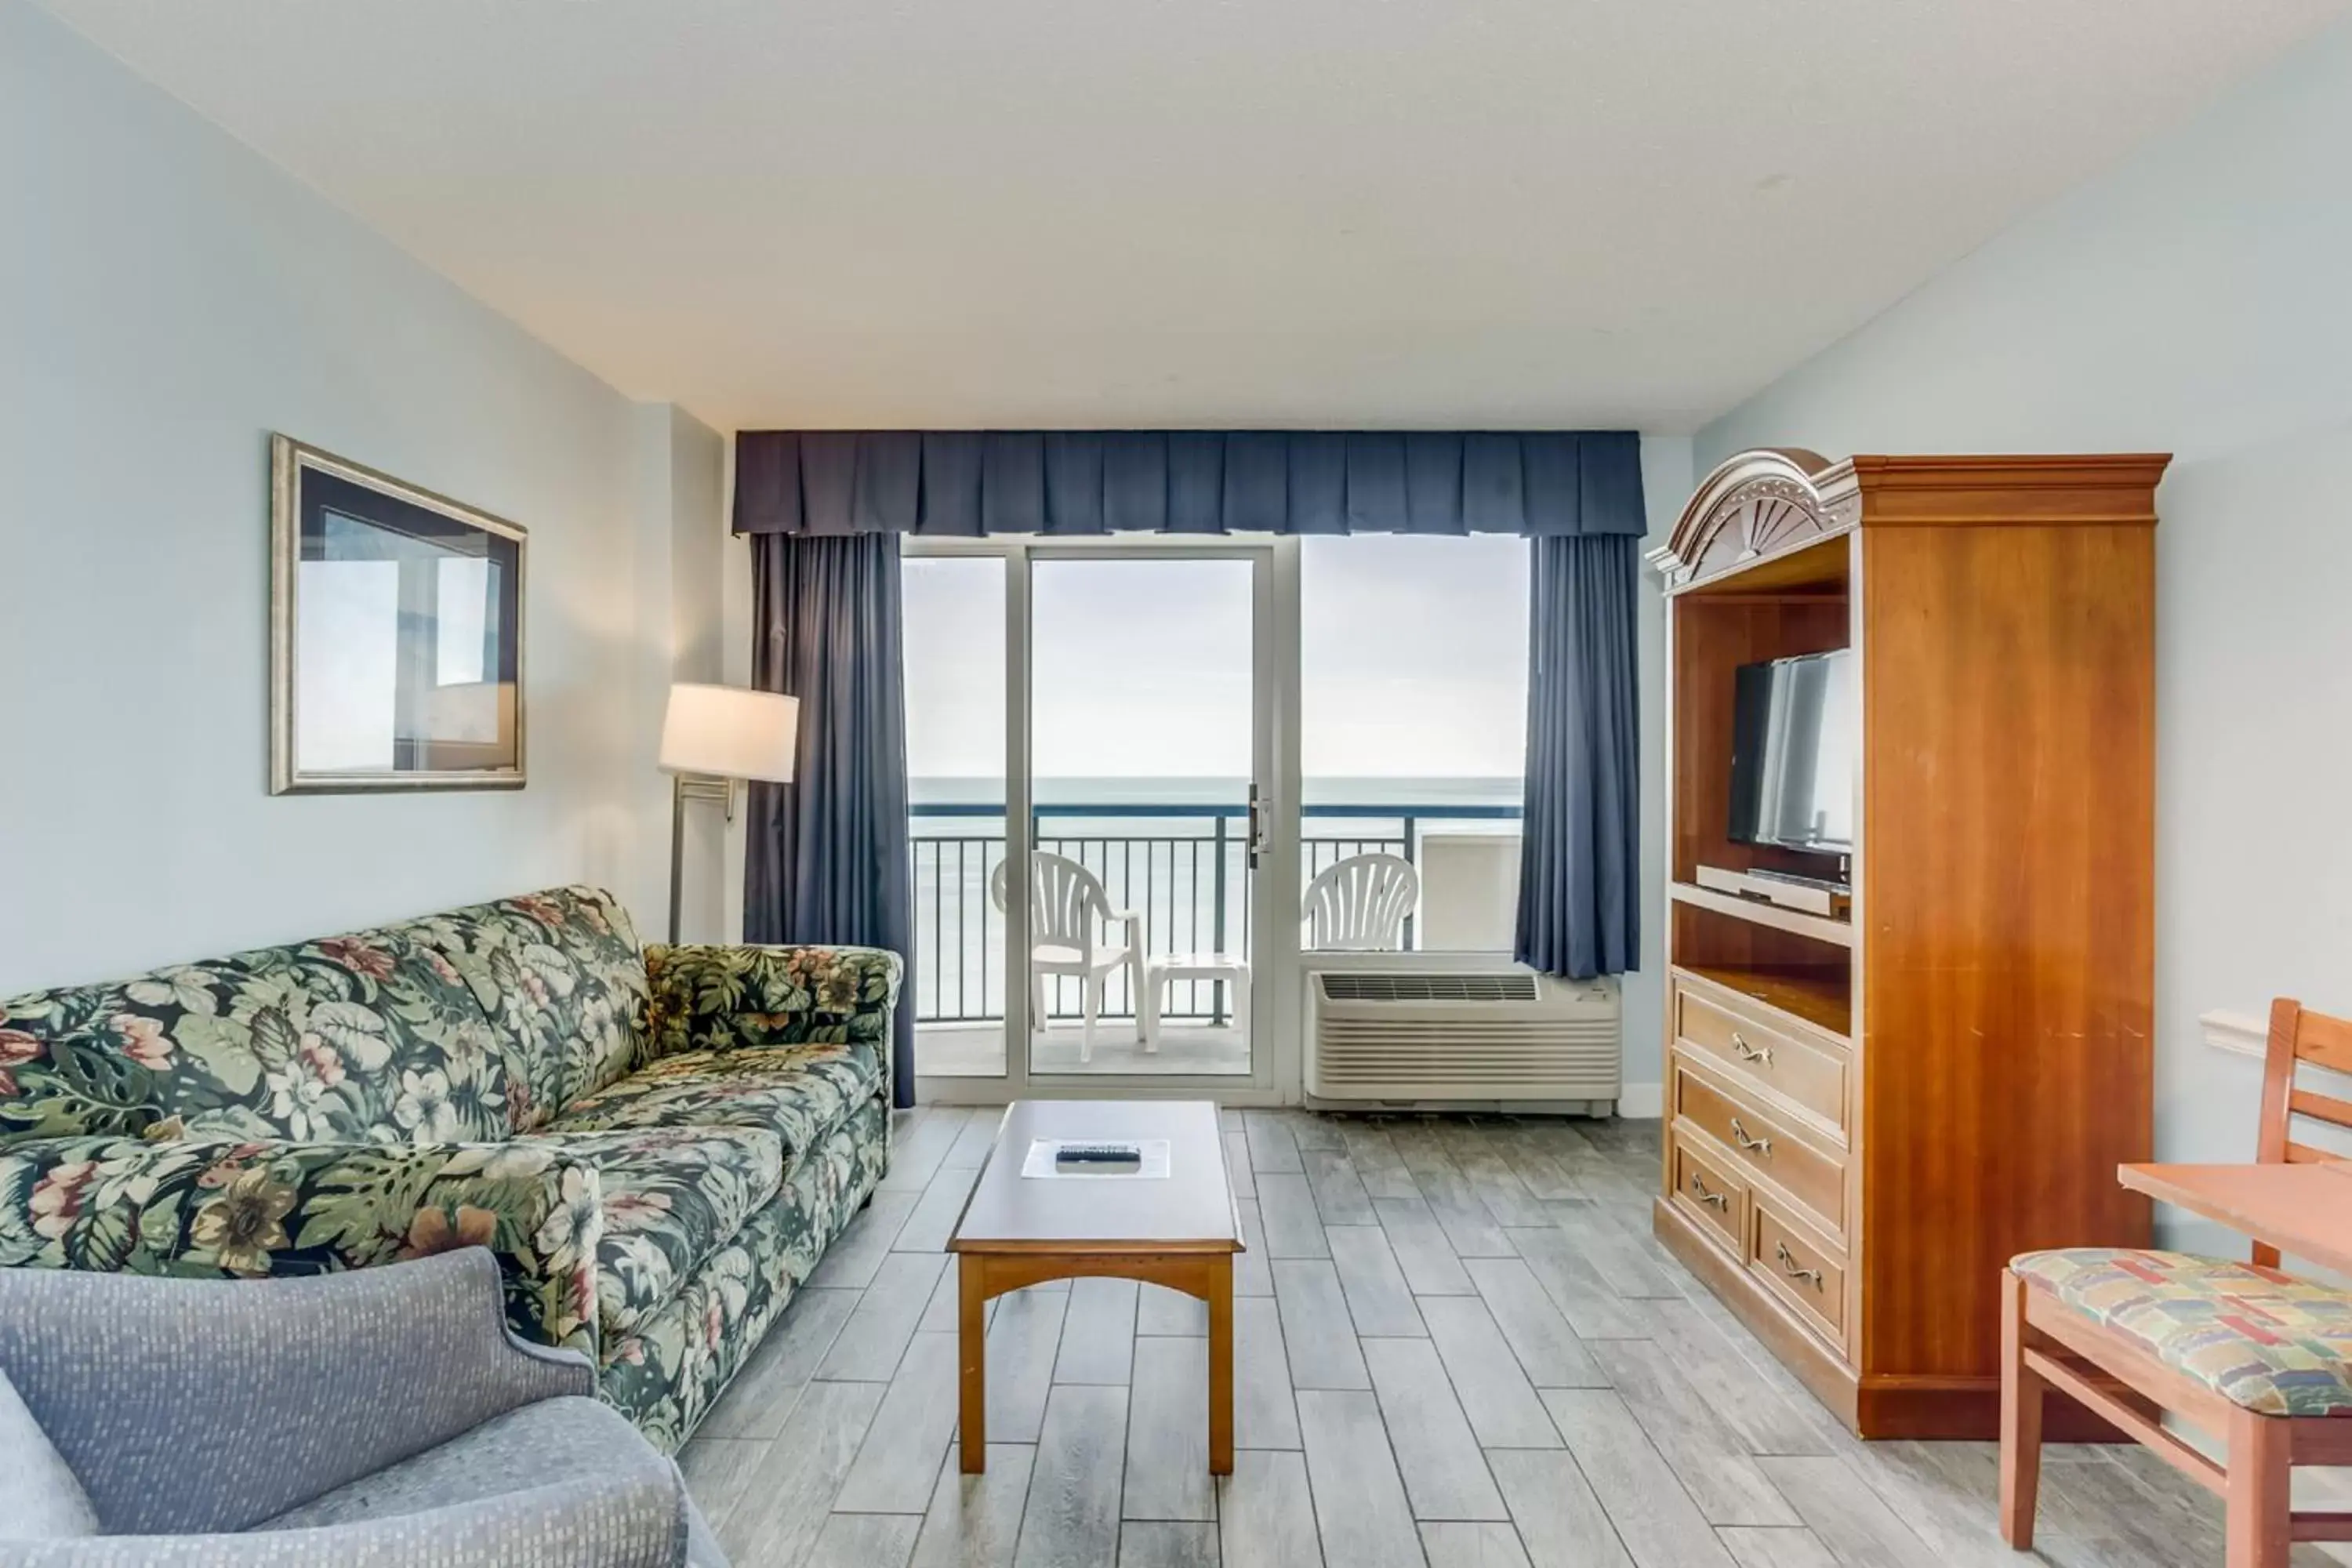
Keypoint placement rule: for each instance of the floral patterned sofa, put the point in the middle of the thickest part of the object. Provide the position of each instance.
(657, 1145)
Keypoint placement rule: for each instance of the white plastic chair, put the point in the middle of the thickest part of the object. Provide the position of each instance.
(1069, 915)
(1360, 904)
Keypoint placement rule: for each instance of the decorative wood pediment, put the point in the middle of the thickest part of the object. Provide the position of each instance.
(1757, 503)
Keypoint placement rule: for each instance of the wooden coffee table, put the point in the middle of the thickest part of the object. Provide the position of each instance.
(1181, 1230)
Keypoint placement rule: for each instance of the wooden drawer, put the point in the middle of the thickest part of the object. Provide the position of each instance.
(1710, 1191)
(1753, 1045)
(1762, 1142)
(1796, 1268)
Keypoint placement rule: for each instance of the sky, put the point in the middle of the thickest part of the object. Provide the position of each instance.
(1412, 663)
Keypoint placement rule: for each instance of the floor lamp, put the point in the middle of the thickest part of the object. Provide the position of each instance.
(711, 736)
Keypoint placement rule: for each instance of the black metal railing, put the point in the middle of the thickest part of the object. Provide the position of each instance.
(1190, 883)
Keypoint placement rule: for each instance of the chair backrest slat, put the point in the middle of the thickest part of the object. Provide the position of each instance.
(1065, 899)
(2324, 1042)
(2320, 1107)
(1360, 904)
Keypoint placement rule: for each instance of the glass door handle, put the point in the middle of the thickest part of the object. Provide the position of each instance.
(1256, 827)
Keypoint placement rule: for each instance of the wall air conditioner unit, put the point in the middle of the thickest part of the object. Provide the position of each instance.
(1403, 1039)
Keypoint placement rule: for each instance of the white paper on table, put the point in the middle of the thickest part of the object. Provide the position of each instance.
(1043, 1152)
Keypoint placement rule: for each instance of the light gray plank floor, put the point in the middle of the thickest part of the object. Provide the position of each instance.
(1457, 1347)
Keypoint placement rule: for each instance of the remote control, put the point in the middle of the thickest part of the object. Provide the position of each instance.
(1099, 1154)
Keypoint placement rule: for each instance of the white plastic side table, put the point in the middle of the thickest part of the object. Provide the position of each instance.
(1158, 972)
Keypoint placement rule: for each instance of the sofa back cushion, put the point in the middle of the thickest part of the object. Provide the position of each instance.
(368, 1038)
(561, 978)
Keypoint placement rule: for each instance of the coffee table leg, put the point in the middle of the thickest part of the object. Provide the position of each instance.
(1221, 1367)
(972, 1346)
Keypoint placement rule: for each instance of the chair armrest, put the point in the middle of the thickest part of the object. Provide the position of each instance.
(321, 1381)
(630, 1521)
(204, 1208)
(716, 997)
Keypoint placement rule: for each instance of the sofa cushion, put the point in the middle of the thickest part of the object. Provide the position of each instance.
(2262, 1339)
(672, 1196)
(362, 1037)
(665, 1374)
(728, 999)
(41, 1500)
(561, 981)
(800, 1093)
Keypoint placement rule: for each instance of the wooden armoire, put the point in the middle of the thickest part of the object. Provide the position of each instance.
(1872, 1108)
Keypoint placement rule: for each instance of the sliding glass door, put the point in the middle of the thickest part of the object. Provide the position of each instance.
(1144, 747)
(1127, 692)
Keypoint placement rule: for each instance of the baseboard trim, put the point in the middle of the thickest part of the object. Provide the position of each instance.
(1645, 1101)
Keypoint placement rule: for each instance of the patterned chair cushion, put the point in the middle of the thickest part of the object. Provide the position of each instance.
(561, 981)
(2262, 1340)
(366, 1037)
(801, 1092)
(672, 1196)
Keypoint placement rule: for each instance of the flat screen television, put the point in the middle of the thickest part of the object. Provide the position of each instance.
(1793, 753)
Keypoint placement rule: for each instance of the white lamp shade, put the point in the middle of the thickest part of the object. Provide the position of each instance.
(729, 733)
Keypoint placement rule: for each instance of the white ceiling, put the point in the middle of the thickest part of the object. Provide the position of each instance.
(1103, 213)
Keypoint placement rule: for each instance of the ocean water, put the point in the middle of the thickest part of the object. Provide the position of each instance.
(1190, 885)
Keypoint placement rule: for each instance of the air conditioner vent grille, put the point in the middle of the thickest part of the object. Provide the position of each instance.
(1400, 1036)
(1341, 985)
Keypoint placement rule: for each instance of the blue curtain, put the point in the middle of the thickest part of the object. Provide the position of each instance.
(964, 483)
(826, 856)
(1580, 893)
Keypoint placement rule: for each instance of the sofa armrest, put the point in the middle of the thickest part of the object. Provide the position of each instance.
(597, 1522)
(136, 1379)
(715, 998)
(219, 1209)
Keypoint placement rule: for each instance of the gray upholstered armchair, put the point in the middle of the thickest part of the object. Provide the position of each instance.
(384, 1417)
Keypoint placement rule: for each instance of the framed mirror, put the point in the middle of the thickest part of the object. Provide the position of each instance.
(395, 635)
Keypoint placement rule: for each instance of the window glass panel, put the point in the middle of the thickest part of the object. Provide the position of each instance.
(1143, 719)
(954, 652)
(1414, 687)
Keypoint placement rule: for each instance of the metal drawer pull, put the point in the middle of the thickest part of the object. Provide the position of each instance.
(1749, 1053)
(1698, 1185)
(1788, 1266)
(1753, 1145)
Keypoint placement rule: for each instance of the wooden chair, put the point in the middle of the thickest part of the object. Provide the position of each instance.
(2240, 1351)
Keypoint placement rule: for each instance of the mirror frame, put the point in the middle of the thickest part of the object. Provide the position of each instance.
(289, 461)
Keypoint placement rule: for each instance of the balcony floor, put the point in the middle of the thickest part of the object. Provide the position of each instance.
(977, 1050)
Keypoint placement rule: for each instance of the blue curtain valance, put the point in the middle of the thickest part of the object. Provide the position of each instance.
(963, 484)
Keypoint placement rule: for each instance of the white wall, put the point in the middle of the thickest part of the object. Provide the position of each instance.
(735, 669)
(1666, 479)
(681, 463)
(169, 299)
(2196, 300)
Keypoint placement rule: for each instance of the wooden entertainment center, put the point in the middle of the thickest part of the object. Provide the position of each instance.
(1870, 1113)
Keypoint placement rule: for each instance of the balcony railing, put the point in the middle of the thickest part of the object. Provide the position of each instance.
(1188, 874)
